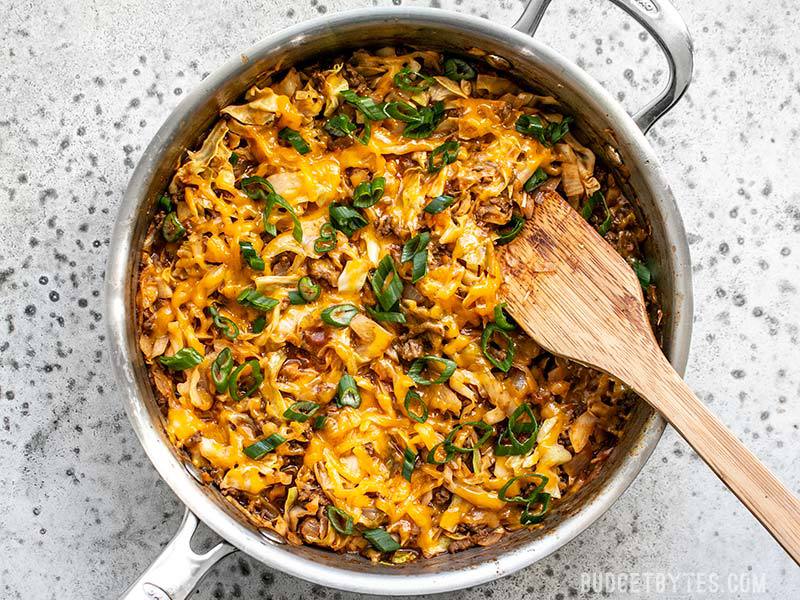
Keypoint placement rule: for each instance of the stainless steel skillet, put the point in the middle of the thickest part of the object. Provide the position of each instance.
(613, 134)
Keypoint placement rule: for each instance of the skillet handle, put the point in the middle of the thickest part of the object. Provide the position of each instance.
(178, 569)
(661, 21)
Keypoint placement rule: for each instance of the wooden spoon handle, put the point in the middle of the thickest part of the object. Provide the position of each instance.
(759, 490)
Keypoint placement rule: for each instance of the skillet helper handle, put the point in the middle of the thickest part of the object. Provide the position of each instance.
(178, 569)
(771, 502)
(661, 21)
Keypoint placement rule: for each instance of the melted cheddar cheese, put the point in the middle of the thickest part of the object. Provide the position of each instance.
(354, 460)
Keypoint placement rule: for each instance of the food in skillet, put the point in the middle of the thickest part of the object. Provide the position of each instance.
(318, 307)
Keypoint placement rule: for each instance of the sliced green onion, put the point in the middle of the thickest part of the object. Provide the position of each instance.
(339, 125)
(535, 180)
(368, 107)
(507, 235)
(413, 397)
(255, 373)
(340, 520)
(381, 540)
(402, 111)
(386, 283)
(308, 288)
(642, 272)
(588, 210)
(258, 324)
(346, 219)
(301, 411)
(486, 339)
(251, 256)
(443, 155)
(412, 81)
(458, 70)
(515, 447)
(416, 244)
(228, 328)
(419, 365)
(429, 119)
(438, 204)
(386, 316)
(347, 393)
(487, 429)
(183, 359)
(165, 203)
(233, 159)
(258, 188)
(366, 132)
(252, 298)
(339, 315)
(171, 228)
(531, 518)
(409, 459)
(326, 240)
(221, 369)
(531, 497)
(448, 454)
(500, 318)
(548, 134)
(261, 448)
(318, 422)
(295, 139)
(368, 193)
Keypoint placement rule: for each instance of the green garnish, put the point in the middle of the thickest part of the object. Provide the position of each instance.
(442, 155)
(340, 520)
(346, 219)
(258, 324)
(255, 374)
(386, 284)
(381, 540)
(233, 159)
(368, 193)
(531, 518)
(413, 397)
(507, 235)
(347, 392)
(642, 272)
(262, 448)
(448, 454)
(458, 70)
(487, 429)
(368, 107)
(515, 447)
(535, 180)
(228, 328)
(409, 459)
(500, 318)
(418, 366)
(252, 298)
(258, 188)
(487, 338)
(165, 203)
(183, 359)
(428, 120)
(295, 139)
(326, 240)
(339, 315)
(501, 493)
(340, 125)
(171, 228)
(221, 370)
(250, 255)
(318, 422)
(438, 204)
(301, 411)
(416, 251)
(547, 134)
(393, 316)
(307, 291)
(412, 81)
(588, 210)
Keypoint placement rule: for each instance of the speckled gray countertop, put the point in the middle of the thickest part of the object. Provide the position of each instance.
(83, 88)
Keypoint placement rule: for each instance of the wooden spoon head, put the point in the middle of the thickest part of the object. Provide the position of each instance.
(572, 293)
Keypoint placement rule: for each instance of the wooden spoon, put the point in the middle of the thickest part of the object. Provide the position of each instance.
(573, 294)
